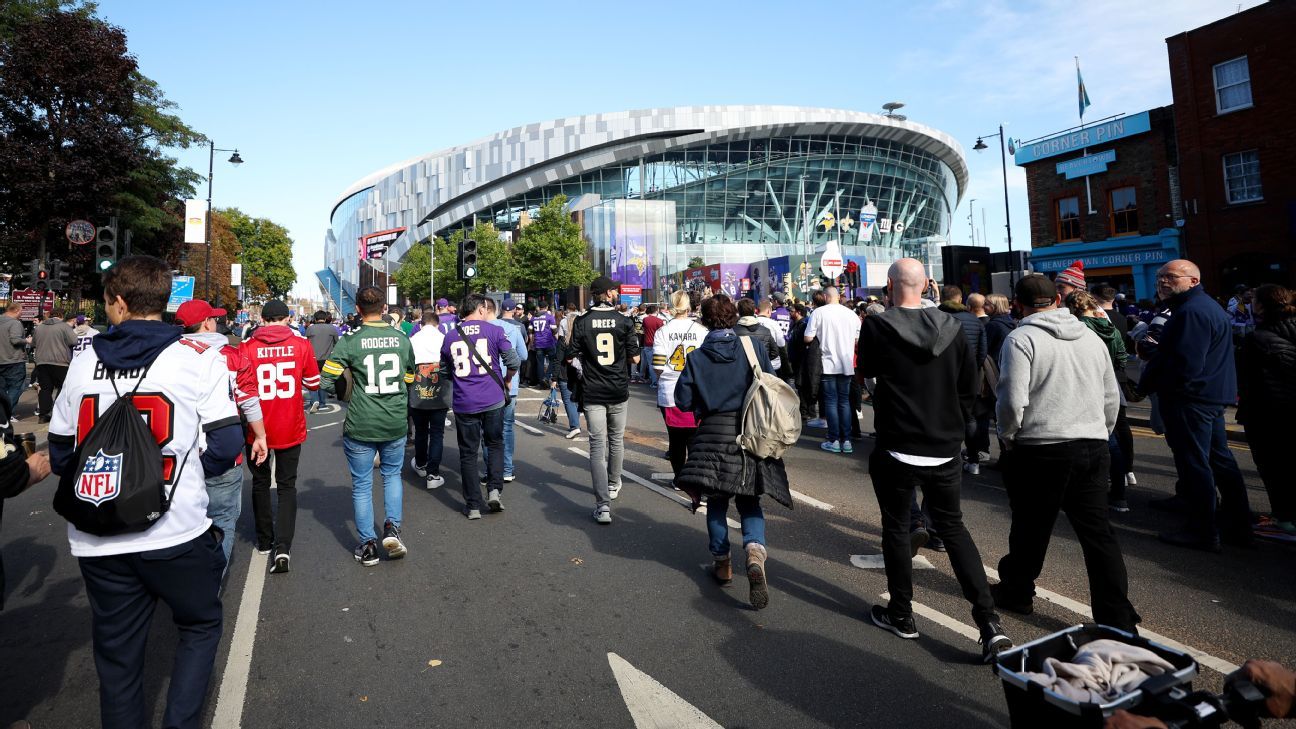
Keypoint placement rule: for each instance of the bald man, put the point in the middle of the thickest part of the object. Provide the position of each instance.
(927, 380)
(1192, 374)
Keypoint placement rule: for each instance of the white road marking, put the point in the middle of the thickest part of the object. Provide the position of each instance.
(652, 705)
(811, 501)
(662, 476)
(238, 664)
(326, 425)
(668, 493)
(1081, 609)
(528, 428)
(943, 620)
(874, 562)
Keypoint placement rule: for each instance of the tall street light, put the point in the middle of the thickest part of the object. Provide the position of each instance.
(1003, 156)
(235, 160)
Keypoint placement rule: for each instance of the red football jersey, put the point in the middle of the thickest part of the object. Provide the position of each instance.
(284, 365)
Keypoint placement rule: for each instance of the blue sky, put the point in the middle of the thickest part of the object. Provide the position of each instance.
(316, 95)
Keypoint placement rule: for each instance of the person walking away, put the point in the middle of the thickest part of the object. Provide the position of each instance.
(52, 340)
(429, 400)
(323, 337)
(472, 353)
(999, 325)
(604, 342)
(84, 332)
(764, 316)
(1057, 404)
(836, 328)
(381, 362)
(976, 303)
(713, 386)
(1267, 385)
(567, 376)
(1194, 376)
(806, 365)
(13, 357)
(653, 321)
(285, 367)
(1106, 296)
(225, 490)
(1071, 279)
(446, 314)
(543, 329)
(926, 386)
(178, 559)
(672, 344)
(749, 325)
(978, 441)
(782, 315)
(517, 338)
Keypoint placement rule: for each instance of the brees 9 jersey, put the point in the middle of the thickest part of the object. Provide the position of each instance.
(605, 342)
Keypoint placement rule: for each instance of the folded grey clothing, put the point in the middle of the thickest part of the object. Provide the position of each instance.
(1101, 671)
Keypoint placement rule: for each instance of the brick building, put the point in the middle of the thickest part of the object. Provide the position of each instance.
(1103, 194)
(1235, 119)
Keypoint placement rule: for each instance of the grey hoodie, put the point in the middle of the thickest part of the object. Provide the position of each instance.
(1055, 382)
(53, 339)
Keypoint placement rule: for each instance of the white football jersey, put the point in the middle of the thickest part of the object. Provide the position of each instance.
(185, 392)
(671, 345)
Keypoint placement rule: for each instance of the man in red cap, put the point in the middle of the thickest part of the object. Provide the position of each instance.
(285, 365)
(225, 490)
(1072, 279)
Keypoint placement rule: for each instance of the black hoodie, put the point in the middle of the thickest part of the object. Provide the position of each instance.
(926, 380)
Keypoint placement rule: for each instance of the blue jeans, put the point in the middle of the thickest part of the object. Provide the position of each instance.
(573, 412)
(360, 455)
(749, 513)
(509, 412)
(224, 504)
(837, 409)
(1197, 439)
(13, 380)
(318, 394)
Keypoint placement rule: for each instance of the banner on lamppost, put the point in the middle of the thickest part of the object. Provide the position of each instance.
(195, 228)
(236, 274)
(867, 222)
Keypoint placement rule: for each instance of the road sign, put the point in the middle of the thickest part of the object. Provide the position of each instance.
(182, 290)
(831, 262)
(32, 302)
(631, 295)
(4, 289)
(80, 232)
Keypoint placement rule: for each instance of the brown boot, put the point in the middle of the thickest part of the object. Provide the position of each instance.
(759, 590)
(723, 570)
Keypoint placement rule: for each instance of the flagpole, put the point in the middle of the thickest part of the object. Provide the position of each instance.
(1082, 96)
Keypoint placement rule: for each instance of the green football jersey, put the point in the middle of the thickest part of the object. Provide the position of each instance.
(381, 362)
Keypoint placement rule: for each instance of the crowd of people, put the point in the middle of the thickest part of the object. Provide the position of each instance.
(1047, 374)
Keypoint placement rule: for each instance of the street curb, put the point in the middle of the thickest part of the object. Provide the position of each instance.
(1233, 435)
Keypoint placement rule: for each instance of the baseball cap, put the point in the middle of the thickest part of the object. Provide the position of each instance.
(442, 303)
(196, 311)
(779, 296)
(603, 284)
(80, 318)
(509, 304)
(1035, 291)
(274, 309)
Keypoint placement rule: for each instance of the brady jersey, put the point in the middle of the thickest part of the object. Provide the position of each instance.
(284, 364)
(185, 392)
(605, 341)
(673, 342)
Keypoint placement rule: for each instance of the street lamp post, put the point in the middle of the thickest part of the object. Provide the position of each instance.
(235, 160)
(1003, 156)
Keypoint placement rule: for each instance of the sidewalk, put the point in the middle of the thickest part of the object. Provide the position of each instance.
(26, 412)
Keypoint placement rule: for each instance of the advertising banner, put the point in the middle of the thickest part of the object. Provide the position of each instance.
(195, 227)
(631, 294)
(731, 276)
(868, 221)
(763, 279)
(374, 246)
(831, 261)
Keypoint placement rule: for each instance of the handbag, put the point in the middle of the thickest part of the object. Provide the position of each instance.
(508, 399)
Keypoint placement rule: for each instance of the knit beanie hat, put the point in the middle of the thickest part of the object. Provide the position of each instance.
(1073, 276)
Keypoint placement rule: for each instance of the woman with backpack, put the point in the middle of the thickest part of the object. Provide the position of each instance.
(713, 386)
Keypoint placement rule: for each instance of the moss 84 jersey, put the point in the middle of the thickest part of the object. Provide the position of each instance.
(381, 361)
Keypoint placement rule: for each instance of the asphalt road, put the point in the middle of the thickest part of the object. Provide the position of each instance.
(540, 617)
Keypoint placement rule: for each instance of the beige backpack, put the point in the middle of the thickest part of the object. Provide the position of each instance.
(771, 412)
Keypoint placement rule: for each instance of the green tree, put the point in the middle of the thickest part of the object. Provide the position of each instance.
(695, 262)
(551, 255)
(412, 278)
(266, 254)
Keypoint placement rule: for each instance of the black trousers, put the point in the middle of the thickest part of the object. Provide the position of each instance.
(50, 378)
(471, 429)
(1041, 481)
(272, 531)
(1271, 442)
(678, 440)
(429, 438)
(894, 483)
(123, 590)
(1122, 456)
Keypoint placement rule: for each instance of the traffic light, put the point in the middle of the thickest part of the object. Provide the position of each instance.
(106, 246)
(42, 280)
(58, 275)
(29, 277)
(468, 259)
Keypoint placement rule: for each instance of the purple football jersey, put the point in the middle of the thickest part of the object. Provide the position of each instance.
(543, 325)
(475, 388)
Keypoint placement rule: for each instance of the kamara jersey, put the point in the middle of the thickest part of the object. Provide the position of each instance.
(381, 361)
(675, 339)
(284, 364)
(185, 393)
(605, 341)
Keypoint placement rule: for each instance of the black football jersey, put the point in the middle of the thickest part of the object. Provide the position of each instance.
(604, 340)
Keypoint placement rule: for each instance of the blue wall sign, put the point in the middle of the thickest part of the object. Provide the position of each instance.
(182, 290)
(1104, 260)
(1126, 126)
(1088, 165)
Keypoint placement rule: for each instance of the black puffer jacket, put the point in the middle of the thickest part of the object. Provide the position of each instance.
(1267, 373)
(973, 329)
(997, 330)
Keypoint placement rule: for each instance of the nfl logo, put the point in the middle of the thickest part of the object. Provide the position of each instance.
(100, 478)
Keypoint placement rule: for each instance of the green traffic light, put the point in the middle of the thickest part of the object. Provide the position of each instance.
(105, 265)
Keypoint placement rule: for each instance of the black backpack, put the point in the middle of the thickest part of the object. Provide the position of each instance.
(114, 483)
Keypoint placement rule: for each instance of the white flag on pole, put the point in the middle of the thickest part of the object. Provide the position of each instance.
(195, 227)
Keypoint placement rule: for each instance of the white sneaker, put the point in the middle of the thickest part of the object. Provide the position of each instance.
(493, 501)
(435, 482)
(509, 478)
(982, 456)
(603, 515)
(972, 468)
(613, 491)
(448, 422)
(420, 470)
(573, 433)
(817, 423)
(314, 408)
(1131, 479)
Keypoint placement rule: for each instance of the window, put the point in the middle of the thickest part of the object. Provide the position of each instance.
(1242, 177)
(1068, 217)
(1124, 211)
(1232, 85)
